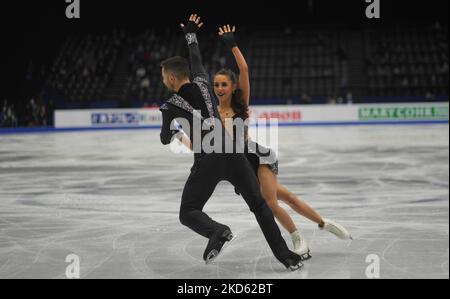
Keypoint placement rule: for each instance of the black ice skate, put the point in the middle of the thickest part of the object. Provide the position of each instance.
(216, 245)
(292, 262)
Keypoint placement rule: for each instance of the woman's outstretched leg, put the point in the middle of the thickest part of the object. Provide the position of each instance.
(298, 205)
(305, 210)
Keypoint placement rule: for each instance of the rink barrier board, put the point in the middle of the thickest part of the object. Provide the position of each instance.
(294, 115)
(308, 114)
(64, 130)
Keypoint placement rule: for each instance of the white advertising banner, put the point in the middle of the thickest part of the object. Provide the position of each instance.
(107, 118)
(301, 114)
(286, 115)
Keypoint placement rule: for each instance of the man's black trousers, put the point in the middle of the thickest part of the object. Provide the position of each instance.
(210, 169)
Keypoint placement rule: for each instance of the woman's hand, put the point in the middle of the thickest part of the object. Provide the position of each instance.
(227, 34)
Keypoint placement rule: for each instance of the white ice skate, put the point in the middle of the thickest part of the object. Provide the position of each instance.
(300, 246)
(336, 229)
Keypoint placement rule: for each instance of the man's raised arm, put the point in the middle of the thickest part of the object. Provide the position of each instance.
(195, 58)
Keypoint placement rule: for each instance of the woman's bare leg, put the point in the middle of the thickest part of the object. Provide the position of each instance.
(268, 184)
(298, 205)
(305, 210)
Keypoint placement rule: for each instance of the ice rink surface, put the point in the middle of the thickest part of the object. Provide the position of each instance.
(112, 198)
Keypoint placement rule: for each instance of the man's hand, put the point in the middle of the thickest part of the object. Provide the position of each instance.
(192, 25)
(227, 34)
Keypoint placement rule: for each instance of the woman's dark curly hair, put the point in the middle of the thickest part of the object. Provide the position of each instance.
(238, 104)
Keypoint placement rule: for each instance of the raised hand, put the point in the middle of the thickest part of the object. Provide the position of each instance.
(192, 25)
(227, 34)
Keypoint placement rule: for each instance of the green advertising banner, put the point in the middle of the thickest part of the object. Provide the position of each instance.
(403, 113)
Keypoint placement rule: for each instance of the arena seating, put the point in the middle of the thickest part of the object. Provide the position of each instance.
(410, 62)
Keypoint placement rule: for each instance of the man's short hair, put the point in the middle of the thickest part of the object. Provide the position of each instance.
(177, 66)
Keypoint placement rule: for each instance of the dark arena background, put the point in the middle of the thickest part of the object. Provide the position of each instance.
(361, 95)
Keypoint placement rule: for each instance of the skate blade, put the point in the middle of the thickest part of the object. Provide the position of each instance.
(214, 254)
(294, 268)
(305, 257)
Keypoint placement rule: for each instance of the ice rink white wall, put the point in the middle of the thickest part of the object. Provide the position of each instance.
(286, 115)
